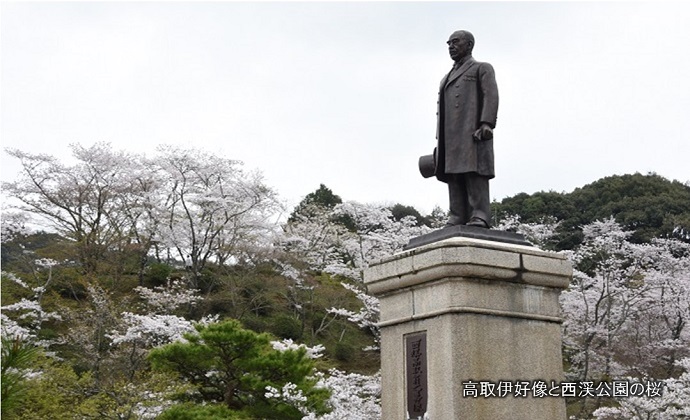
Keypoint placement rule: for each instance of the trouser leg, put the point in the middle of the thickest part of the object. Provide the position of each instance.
(469, 198)
(457, 194)
(477, 187)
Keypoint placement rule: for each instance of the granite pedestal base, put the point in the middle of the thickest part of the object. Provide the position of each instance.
(489, 312)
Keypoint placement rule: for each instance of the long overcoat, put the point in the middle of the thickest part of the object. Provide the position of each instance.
(468, 96)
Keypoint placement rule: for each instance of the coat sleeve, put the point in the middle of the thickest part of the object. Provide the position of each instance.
(489, 92)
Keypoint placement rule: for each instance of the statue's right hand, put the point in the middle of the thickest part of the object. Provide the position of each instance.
(483, 133)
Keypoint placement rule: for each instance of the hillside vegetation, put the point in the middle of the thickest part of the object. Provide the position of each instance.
(165, 287)
(648, 205)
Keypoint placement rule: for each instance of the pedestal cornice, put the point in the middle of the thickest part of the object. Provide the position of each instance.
(468, 258)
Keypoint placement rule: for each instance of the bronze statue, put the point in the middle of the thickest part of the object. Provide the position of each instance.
(464, 154)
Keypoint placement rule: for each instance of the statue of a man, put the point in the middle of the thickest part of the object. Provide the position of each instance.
(464, 156)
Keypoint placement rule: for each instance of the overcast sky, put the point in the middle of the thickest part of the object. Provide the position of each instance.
(344, 94)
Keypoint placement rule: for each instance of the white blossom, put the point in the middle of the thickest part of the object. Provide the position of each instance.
(46, 262)
(287, 344)
(28, 315)
(537, 233)
(289, 394)
(209, 319)
(377, 235)
(11, 328)
(24, 318)
(13, 224)
(628, 307)
(673, 404)
(167, 299)
(367, 316)
(214, 211)
(353, 396)
(12, 277)
(151, 330)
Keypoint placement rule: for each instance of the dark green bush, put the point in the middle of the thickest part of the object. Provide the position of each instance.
(344, 351)
(199, 412)
(287, 327)
(157, 274)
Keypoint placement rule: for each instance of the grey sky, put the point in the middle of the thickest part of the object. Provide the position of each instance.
(345, 93)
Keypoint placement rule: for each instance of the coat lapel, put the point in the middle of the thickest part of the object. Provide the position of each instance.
(459, 71)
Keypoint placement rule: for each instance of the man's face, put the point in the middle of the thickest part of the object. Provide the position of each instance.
(458, 46)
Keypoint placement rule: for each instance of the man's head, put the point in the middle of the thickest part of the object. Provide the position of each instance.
(460, 44)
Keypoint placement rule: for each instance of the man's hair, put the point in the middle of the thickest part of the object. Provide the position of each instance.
(468, 36)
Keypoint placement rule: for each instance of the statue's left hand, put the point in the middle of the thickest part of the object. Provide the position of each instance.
(484, 133)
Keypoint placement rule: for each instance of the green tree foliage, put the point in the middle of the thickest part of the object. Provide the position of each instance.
(15, 251)
(648, 205)
(59, 393)
(323, 197)
(532, 208)
(17, 356)
(49, 393)
(189, 411)
(320, 201)
(400, 211)
(235, 367)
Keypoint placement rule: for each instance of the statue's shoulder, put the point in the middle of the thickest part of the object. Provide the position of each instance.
(483, 64)
(483, 67)
(478, 66)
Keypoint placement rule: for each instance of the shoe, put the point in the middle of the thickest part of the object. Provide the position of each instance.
(453, 221)
(477, 222)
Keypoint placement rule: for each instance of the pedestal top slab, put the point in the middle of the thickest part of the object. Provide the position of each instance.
(468, 258)
(467, 232)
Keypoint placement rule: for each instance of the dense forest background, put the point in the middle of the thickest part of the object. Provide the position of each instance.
(178, 286)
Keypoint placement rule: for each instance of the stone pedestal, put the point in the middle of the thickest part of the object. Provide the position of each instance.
(488, 311)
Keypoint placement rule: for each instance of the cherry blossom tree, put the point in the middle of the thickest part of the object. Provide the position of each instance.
(167, 299)
(343, 240)
(626, 310)
(143, 210)
(672, 404)
(540, 234)
(24, 318)
(626, 315)
(90, 324)
(599, 301)
(313, 236)
(198, 205)
(300, 294)
(621, 290)
(136, 334)
(375, 234)
(366, 317)
(286, 344)
(353, 396)
(309, 245)
(21, 323)
(13, 224)
(665, 329)
(212, 208)
(79, 201)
